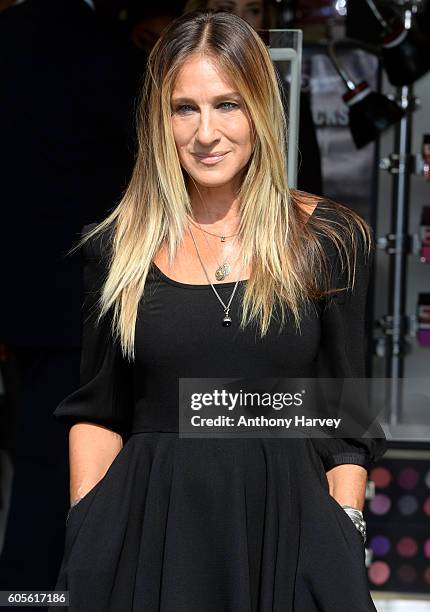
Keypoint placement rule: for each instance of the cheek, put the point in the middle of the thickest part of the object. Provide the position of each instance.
(238, 131)
(182, 133)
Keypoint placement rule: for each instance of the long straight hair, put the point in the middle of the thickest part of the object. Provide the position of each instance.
(289, 265)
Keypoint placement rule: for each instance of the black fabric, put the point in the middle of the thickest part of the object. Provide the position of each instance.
(217, 525)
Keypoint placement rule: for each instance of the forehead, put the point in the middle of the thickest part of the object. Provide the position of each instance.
(201, 75)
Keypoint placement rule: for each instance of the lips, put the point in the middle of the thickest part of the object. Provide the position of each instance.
(210, 158)
(208, 155)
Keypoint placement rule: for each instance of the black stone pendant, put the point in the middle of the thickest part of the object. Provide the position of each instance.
(226, 322)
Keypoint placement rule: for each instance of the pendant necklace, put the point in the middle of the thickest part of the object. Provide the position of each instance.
(226, 322)
(224, 269)
(222, 237)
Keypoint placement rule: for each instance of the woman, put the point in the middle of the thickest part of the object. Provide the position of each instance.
(207, 258)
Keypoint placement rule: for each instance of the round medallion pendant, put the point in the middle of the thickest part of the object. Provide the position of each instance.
(222, 271)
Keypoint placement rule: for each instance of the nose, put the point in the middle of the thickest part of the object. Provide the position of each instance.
(207, 128)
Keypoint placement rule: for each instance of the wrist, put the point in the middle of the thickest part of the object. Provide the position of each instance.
(347, 484)
(357, 519)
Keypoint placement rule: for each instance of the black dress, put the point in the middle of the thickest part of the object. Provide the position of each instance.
(211, 524)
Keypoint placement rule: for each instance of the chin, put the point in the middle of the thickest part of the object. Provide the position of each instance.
(212, 178)
(204, 182)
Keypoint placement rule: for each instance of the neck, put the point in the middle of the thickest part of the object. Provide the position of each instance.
(214, 204)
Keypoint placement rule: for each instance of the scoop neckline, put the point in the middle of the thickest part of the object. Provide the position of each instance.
(176, 283)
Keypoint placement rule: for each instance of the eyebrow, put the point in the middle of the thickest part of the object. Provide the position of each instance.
(185, 100)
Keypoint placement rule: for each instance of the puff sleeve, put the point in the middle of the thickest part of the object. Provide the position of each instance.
(105, 393)
(342, 355)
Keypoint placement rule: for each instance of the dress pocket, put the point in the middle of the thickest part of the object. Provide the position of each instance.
(76, 518)
(350, 530)
(86, 499)
(83, 501)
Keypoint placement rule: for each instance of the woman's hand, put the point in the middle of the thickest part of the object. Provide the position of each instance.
(92, 448)
(347, 484)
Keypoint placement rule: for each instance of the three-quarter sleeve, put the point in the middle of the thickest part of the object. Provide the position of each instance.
(342, 355)
(105, 393)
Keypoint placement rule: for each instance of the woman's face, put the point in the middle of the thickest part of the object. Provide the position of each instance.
(212, 132)
(250, 10)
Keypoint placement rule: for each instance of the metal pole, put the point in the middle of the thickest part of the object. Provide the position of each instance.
(398, 259)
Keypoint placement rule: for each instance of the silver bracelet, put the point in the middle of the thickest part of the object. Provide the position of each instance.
(356, 517)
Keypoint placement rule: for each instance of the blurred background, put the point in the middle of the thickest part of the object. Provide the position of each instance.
(356, 75)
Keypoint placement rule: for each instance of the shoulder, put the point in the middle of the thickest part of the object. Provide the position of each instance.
(348, 243)
(94, 258)
(97, 246)
(336, 227)
(305, 202)
(323, 213)
(340, 225)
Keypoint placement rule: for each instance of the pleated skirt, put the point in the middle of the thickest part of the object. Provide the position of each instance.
(213, 525)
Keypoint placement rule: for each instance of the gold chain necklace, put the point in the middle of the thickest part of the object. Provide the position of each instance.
(222, 237)
(225, 268)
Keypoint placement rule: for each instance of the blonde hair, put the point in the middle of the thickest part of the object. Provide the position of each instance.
(286, 253)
